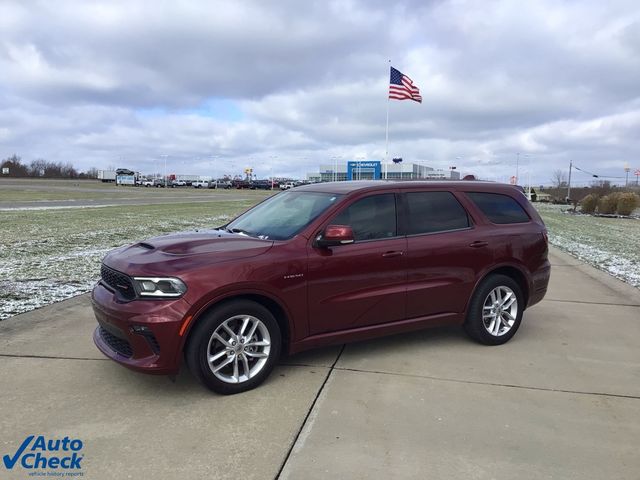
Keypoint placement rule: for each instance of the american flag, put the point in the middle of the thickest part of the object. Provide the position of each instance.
(401, 87)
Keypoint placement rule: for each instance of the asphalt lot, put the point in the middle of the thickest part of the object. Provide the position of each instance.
(561, 400)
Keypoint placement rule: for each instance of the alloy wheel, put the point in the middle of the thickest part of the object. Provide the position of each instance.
(499, 311)
(238, 349)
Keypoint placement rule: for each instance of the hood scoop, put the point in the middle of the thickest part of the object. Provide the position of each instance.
(196, 243)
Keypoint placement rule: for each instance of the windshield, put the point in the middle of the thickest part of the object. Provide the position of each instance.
(283, 215)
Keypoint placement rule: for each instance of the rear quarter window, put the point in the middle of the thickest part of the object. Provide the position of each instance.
(499, 208)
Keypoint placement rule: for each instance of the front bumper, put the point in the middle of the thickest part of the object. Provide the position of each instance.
(142, 335)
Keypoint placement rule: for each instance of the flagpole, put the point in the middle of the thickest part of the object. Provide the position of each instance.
(386, 148)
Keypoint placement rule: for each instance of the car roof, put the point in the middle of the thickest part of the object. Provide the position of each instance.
(349, 187)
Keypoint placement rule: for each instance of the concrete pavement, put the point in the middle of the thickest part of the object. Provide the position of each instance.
(561, 400)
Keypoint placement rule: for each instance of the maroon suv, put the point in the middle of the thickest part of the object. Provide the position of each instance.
(318, 265)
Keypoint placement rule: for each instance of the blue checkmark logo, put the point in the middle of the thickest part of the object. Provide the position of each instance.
(10, 462)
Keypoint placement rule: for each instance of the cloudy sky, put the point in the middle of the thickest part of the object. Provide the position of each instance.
(282, 86)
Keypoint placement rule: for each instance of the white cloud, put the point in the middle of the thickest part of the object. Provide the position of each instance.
(99, 83)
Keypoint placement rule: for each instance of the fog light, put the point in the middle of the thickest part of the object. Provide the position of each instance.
(139, 329)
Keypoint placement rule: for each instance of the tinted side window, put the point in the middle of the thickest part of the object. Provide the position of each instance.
(499, 208)
(371, 217)
(429, 212)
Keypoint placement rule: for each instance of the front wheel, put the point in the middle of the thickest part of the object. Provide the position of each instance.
(234, 347)
(495, 310)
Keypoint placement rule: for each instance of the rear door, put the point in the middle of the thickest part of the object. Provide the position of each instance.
(445, 253)
(362, 283)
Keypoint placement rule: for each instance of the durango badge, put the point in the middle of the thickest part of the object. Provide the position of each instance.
(37, 453)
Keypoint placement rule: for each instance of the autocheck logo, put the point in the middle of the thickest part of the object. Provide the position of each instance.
(61, 457)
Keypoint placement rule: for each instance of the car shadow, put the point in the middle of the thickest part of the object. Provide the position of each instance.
(184, 385)
(326, 356)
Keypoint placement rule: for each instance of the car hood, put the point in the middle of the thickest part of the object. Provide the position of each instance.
(183, 251)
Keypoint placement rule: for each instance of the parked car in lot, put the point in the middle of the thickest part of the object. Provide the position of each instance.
(160, 183)
(323, 264)
(178, 183)
(287, 185)
(146, 183)
(224, 184)
(200, 184)
(261, 185)
(240, 184)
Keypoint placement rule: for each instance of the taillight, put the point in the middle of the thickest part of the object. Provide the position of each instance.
(546, 237)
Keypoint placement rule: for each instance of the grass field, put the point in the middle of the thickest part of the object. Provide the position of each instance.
(50, 255)
(610, 244)
(40, 190)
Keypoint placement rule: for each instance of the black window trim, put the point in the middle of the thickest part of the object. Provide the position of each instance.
(405, 210)
(396, 198)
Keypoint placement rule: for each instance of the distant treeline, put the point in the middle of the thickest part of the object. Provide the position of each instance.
(42, 169)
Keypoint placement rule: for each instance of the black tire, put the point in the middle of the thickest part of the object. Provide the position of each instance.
(197, 349)
(476, 327)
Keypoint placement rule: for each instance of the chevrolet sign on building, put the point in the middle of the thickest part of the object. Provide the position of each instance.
(370, 170)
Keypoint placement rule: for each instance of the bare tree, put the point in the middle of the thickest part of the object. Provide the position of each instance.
(559, 178)
(92, 172)
(37, 167)
(15, 166)
(559, 181)
(68, 171)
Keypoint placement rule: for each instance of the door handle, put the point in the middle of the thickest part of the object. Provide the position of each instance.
(397, 253)
(478, 244)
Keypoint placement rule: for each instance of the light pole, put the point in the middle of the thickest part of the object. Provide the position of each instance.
(459, 161)
(517, 165)
(529, 177)
(273, 159)
(359, 171)
(165, 169)
(211, 164)
(335, 167)
(569, 183)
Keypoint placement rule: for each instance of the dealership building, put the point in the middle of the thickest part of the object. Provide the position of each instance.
(375, 170)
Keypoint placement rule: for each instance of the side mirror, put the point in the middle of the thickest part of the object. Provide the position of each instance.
(335, 235)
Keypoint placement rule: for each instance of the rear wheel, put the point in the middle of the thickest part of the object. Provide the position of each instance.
(495, 310)
(234, 347)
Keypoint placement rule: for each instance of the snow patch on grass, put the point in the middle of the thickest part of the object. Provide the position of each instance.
(53, 254)
(609, 244)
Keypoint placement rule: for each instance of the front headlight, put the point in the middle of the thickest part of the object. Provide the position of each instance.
(159, 287)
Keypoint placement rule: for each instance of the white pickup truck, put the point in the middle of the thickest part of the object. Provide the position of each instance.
(287, 186)
(200, 184)
(146, 183)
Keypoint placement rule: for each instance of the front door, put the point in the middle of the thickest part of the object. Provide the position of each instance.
(363, 283)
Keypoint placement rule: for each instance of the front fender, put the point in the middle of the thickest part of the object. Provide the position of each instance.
(202, 307)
